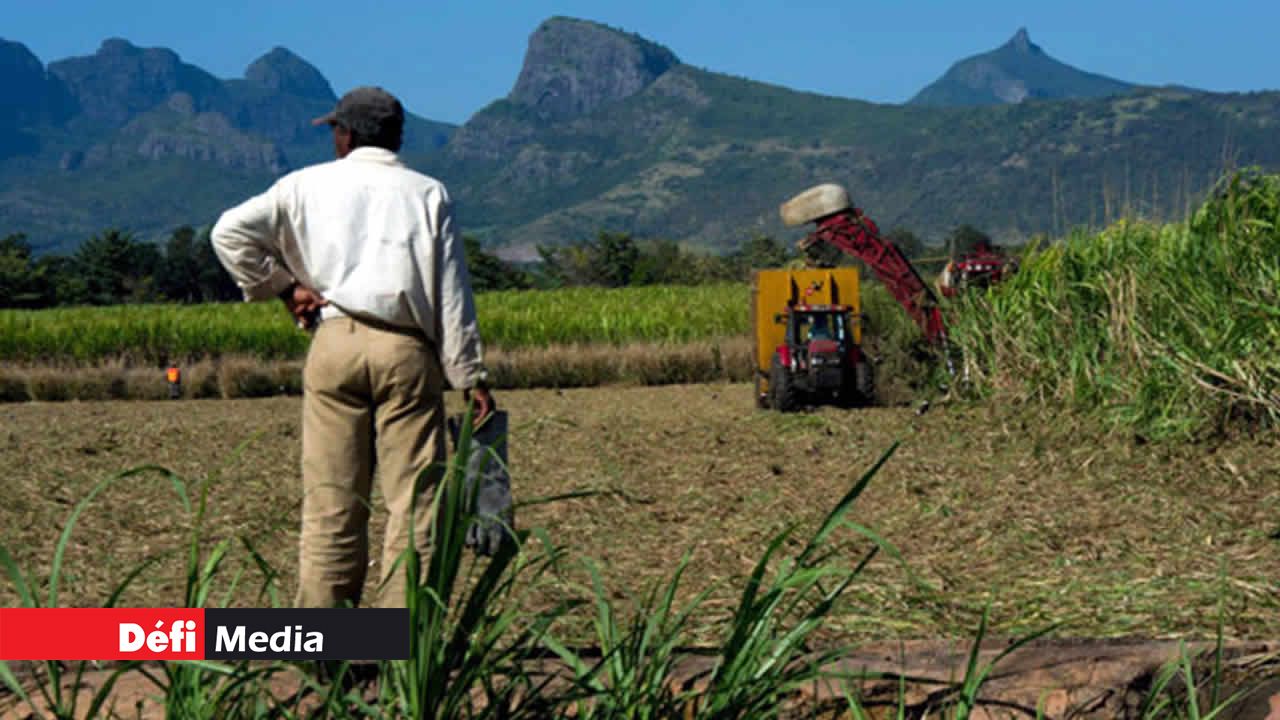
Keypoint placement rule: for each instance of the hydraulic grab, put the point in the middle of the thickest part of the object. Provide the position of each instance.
(842, 226)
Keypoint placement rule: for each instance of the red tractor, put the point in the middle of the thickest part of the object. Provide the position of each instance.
(981, 267)
(820, 361)
(808, 336)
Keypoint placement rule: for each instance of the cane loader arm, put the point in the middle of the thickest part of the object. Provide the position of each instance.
(844, 227)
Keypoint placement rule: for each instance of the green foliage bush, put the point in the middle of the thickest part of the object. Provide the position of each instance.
(111, 268)
(1173, 330)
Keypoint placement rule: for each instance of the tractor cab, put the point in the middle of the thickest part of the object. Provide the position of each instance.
(820, 335)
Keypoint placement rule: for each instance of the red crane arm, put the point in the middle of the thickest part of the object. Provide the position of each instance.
(856, 234)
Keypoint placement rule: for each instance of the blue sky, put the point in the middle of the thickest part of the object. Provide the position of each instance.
(448, 59)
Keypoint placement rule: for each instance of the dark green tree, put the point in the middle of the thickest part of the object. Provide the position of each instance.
(22, 281)
(964, 239)
(665, 262)
(610, 260)
(759, 253)
(615, 257)
(661, 262)
(179, 276)
(63, 282)
(190, 271)
(488, 271)
(910, 245)
(214, 281)
(562, 266)
(115, 268)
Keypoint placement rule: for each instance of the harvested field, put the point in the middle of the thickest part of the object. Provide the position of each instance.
(1045, 519)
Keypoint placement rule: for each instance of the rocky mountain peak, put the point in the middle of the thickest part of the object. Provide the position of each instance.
(18, 63)
(122, 80)
(1016, 71)
(280, 70)
(24, 79)
(1021, 42)
(117, 47)
(28, 94)
(573, 67)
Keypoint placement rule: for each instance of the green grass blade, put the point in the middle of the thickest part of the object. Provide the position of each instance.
(129, 578)
(19, 580)
(60, 548)
(11, 682)
(836, 516)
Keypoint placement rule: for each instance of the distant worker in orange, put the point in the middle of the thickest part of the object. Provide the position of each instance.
(365, 250)
(174, 376)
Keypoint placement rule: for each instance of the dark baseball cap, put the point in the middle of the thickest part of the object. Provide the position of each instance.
(368, 110)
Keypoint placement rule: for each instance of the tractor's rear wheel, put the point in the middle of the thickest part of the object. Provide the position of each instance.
(864, 382)
(783, 394)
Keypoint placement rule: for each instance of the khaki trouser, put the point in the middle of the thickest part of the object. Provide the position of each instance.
(371, 397)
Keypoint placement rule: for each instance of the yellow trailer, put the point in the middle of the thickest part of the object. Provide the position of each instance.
(808, 338)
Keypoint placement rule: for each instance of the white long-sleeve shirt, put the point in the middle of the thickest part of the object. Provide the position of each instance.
(374, 238)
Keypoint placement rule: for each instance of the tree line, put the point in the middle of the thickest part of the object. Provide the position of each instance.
(614, 259)
(114, 267)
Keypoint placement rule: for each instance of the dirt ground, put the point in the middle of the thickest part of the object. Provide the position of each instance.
(1044, 519)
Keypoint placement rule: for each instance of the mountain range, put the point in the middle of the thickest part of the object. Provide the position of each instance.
(136, 138)
(604, 129)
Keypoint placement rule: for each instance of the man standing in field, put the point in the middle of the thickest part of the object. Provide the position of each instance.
(364, 250)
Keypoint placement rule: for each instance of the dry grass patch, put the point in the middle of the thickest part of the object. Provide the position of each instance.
(249, 378)
(233, 377)
(571, 366)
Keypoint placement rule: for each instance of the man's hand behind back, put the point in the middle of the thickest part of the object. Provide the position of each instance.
(304, 305)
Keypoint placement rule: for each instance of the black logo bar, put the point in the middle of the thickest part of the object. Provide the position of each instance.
(306, 634)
